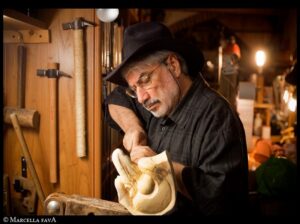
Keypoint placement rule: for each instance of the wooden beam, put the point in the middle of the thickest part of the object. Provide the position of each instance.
(26, 36)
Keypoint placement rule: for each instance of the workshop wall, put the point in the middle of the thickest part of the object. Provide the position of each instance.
(75, 175)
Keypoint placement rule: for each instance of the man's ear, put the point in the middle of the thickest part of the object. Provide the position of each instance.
(174, 65)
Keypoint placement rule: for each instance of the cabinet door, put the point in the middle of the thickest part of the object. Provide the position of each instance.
(75, 175)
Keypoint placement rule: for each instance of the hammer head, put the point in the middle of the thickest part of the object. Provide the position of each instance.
(27, 117)
(50, 73)
(78, 23)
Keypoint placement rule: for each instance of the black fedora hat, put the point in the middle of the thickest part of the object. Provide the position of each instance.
(147, 37)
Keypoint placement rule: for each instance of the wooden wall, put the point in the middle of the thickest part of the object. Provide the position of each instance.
(76, 175)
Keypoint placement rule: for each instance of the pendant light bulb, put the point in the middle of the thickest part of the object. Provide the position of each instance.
(107, 15)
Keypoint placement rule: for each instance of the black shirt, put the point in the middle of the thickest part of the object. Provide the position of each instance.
(205, 134)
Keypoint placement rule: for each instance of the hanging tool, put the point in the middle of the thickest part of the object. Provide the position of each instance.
(21, 75)
(27, 117)
(27, 156)
(53, 74)
(78, 26)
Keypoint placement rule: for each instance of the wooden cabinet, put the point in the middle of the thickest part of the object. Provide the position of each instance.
(15, 20)
(76, 175)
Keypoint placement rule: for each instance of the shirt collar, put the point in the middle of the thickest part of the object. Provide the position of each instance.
(181, 116)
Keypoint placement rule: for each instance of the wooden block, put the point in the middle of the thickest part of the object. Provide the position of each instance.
(63, 204)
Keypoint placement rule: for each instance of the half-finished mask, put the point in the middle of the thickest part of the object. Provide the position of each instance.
(145, 188)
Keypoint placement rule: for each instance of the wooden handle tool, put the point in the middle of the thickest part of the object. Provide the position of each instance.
(27, 156)
(53, 131)
(79, 93)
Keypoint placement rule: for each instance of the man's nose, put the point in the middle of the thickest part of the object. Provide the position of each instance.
(142, 95)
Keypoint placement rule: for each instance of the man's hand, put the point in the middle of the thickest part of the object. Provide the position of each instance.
(134, 137)
(139, 152)
(130, 124)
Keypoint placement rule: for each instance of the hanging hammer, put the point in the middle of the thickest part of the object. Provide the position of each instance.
(79, 64)
(27, 117)
(53, 74)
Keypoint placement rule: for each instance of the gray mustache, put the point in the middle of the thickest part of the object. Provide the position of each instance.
(149, 103)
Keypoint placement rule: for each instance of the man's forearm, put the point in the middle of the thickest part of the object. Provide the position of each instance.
(124, 117)
(130, 124)
(177, 167)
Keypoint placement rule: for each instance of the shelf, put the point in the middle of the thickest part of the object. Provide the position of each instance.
(263, 105)
(18, 27)
(14, 20)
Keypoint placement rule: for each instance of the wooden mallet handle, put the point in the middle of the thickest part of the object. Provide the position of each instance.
(27, 156)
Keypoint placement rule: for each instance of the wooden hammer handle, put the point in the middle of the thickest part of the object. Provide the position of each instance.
(79, 93)
(21, 75)
(27, 156)
(53, 125)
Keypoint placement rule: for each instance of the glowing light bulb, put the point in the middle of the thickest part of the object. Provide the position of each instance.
(107, 15)
(286, 96)
(260, 58)
(292, 104)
